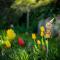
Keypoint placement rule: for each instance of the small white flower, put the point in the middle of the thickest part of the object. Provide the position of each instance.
(12, 25)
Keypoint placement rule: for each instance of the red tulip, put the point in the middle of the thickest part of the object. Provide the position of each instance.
(21, 42)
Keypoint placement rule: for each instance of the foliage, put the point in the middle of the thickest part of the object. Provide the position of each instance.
(18, 4)
(31, 51)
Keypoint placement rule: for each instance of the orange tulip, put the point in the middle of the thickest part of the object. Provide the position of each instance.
(48, 34)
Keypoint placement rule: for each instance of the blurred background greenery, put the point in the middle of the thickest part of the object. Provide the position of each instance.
(15, 11)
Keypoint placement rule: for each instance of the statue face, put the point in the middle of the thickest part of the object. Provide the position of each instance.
(49, 25)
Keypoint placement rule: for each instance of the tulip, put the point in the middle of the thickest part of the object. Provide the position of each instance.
(42, 34)
(48, 34)
(42, 29)
(34, 36)
(38, 42)
(7, 44)
(11, 34)
(21, 42)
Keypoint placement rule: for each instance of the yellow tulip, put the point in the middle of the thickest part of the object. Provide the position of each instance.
(42, 29)
(11, 34)
(34, 36)
(38, 42)
(7, 44)
(42, 34)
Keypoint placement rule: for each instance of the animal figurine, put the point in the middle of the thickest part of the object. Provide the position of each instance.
(50, 25)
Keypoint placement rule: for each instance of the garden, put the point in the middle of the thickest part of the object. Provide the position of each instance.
(30, 30)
